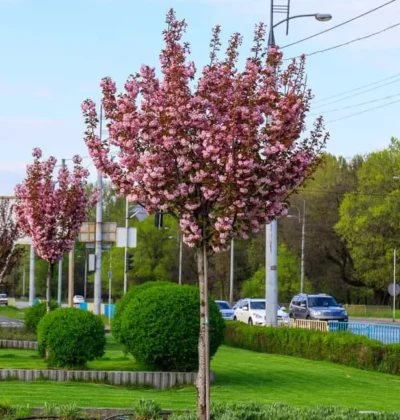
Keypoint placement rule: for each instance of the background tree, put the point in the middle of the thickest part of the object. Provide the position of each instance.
(10, 254)
(222, 156)
(369, 219)
(52, 212)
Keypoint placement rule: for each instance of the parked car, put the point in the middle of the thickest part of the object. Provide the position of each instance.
(77, 299)
(252, 312)
(3, 300)
(319, 307)
(226, 309)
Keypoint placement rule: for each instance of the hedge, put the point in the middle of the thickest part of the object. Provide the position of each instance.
(160, 327)
(70, 338)
(121, 305)
(342, 348)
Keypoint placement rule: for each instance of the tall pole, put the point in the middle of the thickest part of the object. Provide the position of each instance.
(231, 273)
(271, 240)
(394, 285)
(86, 274)
(59, 291)
(271, 284)
(32, 275)
(126, 245)
(23, 281)
(303, 238)
(99, 238)
(109, 288)
(180, 258)
(71, 269)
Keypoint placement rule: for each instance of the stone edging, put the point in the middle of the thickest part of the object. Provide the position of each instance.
(158, 380)
(18, 344)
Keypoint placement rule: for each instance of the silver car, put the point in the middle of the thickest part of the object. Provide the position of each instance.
(320, 307)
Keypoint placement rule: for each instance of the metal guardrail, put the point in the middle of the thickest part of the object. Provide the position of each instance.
(306, 324)
(387, 334)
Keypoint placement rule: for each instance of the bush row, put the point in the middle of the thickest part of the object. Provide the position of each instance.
(343, 348)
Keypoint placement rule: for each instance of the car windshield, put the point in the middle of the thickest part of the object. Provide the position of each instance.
(257, 305)
(223, 305)
(3, 296)
(321, 301)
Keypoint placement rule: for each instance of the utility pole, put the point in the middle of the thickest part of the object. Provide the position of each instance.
(99, 233)
(59, 291)
(32, 275)
(303, 238)
(180, 258)
(86, 274)
(231, 272)
(126, 244)
(71, 269)
(23, 281)
(394, 285)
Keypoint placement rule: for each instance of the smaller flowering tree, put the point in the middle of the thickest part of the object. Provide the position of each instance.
(9, 254)
(52, 211)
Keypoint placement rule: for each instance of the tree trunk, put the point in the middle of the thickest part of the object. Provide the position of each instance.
(203, 378)
(50, 273)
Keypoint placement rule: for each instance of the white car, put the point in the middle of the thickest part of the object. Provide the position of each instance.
(3, 300)
(252, 312)
(77, 299)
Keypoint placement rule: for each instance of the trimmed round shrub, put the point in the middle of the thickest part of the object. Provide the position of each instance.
(122, 304)
(160, 327)
(35, 313)
(71, 337)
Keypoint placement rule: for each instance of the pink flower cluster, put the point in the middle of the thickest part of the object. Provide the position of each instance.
(52, 211)
(223, 154)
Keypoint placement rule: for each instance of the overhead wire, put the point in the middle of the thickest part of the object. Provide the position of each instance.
(363, 112)
(356, 94)
(339, 25)
(356, 105)
(347, 43)
(358, 88)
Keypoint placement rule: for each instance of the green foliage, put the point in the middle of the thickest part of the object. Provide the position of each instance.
(71, 337)
(35, 313)
(289, 277)
(279, 411)
(160, 327)
(16, 334)
(147, 410)
(70, 412)
(128, 297)
(369, 222)
(343, 348)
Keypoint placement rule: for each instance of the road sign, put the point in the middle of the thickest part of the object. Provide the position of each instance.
(88, 232)
(394, 291)
(121, 238)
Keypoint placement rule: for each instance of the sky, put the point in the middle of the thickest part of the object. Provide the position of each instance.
(54, 54)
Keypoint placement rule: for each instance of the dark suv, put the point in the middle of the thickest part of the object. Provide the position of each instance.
(317, 307)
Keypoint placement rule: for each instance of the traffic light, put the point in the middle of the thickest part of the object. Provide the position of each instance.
(158, 220)
(129, 262)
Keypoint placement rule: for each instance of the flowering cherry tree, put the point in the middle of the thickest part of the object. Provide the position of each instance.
(10, 255)
(221, 154)
(52, 211)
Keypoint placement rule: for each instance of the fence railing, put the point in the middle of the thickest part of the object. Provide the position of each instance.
(388, 334)
(306, 324)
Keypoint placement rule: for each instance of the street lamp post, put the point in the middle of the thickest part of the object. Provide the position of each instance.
(302, 220)
(271, 248)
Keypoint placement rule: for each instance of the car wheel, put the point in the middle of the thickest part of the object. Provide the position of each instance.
(234, 318)
(250, 321)
(308, 317)
(291, 316)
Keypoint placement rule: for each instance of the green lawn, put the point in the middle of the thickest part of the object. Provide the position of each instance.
(240, 376)
(11, 312)
(114, 359)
